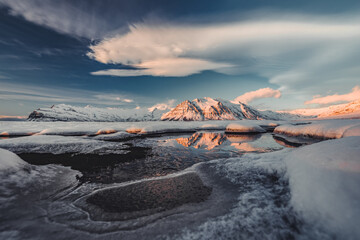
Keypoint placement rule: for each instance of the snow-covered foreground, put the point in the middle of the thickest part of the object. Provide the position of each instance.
(207, 185)
(307, 193)
(323, 190)
(324, 181)
(336, 128)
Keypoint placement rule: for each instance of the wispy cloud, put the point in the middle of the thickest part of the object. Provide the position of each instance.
(258, 94)
(113, 97)
(294, 52)
(3, 77)
(10, 117)
(70, 17)
(11, 91)
(337, 98)
(171, 67)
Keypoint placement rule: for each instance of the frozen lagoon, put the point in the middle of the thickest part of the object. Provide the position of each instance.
(198, 184)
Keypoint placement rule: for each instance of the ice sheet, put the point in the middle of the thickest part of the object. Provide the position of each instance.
(61, 145)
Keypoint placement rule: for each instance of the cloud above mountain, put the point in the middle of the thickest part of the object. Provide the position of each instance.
(170, 67)
(113, 97)
(163, 106)
(336, 98)
(298, 53)
(258, 94)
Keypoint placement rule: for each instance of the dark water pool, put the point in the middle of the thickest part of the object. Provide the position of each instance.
(158, 156)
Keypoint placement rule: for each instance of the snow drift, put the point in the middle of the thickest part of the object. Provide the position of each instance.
(335, 128)
(324, 181)
(9, 160)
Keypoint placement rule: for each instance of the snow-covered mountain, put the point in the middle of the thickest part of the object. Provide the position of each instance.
(195, 110)
(216, 109)
(63, 112)
(342, 109)
(331, 111)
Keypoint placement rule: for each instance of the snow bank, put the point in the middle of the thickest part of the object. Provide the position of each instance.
(114, 136)
(352, 131)
(244, 128)
(324, 180)
(9, 160)
(99, 128)
(322, 129)
(61, 145)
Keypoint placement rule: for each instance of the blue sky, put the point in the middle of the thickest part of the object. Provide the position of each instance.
(140, 53)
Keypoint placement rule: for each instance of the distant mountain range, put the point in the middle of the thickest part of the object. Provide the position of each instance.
(63, 112)
(195, 110)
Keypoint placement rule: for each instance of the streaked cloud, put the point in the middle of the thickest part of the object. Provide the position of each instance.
(11, 91)
(258, 94)
(69, 17)
(170, 104)
(170, 67)
(3, 77)
(113, 97)
(298, 53)
(3, 117)
(148, 42)
(336, 98)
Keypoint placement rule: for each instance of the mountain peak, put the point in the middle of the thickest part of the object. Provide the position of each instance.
(214, 109)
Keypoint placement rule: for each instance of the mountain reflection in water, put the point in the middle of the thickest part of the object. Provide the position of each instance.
(157, 156)
(212, 140)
